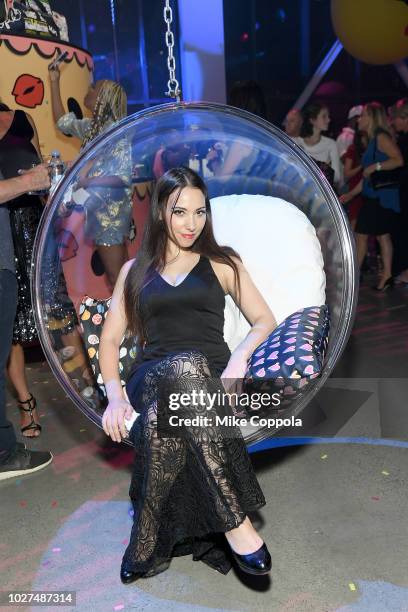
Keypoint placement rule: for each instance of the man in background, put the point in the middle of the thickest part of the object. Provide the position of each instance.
(15, 459)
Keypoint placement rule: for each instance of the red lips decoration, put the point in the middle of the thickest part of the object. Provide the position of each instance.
(28, 91)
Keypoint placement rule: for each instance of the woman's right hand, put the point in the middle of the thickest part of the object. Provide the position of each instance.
(54, 74)
(345, 198)
(113, 420)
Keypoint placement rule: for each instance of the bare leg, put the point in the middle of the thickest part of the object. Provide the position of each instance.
(244, 539)
(386, 256)
(361, 241)
(113, 258)
(16, 372)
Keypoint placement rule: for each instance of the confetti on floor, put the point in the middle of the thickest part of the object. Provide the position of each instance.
(324, 457)
(56, 550)
(375, 498)
(385, 473)
(352, 586)
(54, 504)
(81, 430)
(119, 607)
(23, 504)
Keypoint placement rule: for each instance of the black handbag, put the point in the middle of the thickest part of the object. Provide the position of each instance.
(384, 179)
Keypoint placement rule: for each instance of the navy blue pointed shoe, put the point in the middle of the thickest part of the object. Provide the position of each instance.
(127, 576)
(258, 562)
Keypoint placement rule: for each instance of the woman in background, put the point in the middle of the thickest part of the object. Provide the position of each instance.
(353, 173)
(322, 150)
(19, 150)
(108, 179)
(379, 213)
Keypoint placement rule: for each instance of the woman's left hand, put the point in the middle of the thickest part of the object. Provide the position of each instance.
(369, 170)
(234, 373)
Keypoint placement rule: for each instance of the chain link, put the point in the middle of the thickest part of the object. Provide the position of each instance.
(173, 86)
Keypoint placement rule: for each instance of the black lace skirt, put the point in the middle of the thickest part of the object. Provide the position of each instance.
(186, 491)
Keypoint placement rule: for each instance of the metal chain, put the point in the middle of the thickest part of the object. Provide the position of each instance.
(173, 86)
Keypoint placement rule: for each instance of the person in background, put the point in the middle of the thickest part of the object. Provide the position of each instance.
(107, 180)
(353, 173)
(322, 150)
(401, 128)
(20, 149)
(293, 123)
(379, 213)
(240, 157)
(346, 136)
(15, 459)
(249, 96)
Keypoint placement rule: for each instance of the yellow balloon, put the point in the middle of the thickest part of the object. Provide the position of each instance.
(373, 31)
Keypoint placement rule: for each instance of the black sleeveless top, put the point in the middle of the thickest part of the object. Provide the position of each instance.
(188, 316)
(16, 149)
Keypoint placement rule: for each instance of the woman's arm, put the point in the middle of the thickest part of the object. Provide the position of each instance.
(236, 153)
(101, 181)
(113, 331)
(335, 163)
(256, 311)
(347, 197)
(349, 171)
(57, 106)
(386, 145)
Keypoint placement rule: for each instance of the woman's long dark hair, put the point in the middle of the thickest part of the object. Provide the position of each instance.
(310, 112)
(152, 254)
(360, 142)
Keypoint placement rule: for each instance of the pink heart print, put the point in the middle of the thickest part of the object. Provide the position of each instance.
(259, 362)
(309, 369)
(306, 357)
(276, 345)
(306, 347)
(290, 361)
(290, 341)
(275, 367)
(261, 373)
(260, 353)
(290, 349)
(273, 355)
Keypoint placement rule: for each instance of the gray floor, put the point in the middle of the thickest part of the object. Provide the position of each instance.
(336, 514)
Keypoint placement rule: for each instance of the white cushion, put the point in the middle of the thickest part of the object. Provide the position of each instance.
(279, 248)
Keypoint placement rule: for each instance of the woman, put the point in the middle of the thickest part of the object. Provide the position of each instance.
(240, 157)
(379, 213)
(353, 173)
(401, 127)
(108, 180)
(322, 149)
(185, 492)
(19, 149)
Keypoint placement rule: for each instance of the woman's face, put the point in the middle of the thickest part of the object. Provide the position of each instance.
(364, 121)
(322, 120)
(401, 123)
(186, 222)
(92, 95)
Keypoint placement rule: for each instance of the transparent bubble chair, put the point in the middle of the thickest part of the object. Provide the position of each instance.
(269, 201)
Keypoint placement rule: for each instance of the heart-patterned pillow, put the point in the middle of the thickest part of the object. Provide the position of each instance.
(292, 355)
